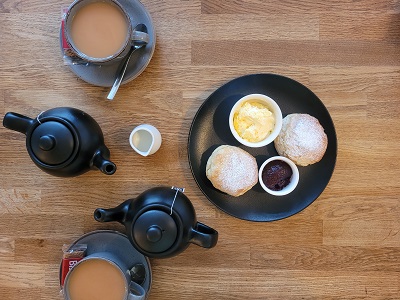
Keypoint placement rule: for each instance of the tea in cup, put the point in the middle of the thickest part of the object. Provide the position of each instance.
(100, 31)
(145, 139)
(101, 276)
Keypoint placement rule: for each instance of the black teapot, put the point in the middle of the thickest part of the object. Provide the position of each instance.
(63, 141)
(160, 222)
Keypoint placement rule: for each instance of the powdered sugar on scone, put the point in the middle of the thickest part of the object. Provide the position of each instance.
(232, 170)
(302, 139)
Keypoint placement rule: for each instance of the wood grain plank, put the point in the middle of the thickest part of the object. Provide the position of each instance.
(29, 293)
(19, 200)
(316, 284)
(288, 6)
(320, 53)
(38, 250)
(355, 205)
(7, 249)
(24, 275)
(371, 25)
(290, 26)
(384, 233)
(41, 226)
(330, 258)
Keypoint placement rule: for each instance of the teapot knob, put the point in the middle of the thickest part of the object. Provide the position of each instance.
(154, 233)
(47, 142)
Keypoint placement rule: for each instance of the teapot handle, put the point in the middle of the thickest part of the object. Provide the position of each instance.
(204, 236)
(17, 122)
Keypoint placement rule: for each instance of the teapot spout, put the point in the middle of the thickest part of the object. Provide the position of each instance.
(117, 214)
(103, 164)
(17, 122)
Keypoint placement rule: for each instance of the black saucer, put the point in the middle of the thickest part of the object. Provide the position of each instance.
(118, 244)
(104, 75)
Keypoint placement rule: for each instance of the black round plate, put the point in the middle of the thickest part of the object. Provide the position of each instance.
(210, 129)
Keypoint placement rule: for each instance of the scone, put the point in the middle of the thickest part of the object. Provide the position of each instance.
(301, 139)
(232, 170)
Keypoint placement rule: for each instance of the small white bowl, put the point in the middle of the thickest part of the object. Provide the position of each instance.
(294, 180)
(272, 106)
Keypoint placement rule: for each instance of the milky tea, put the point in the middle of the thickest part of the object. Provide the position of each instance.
(96, 279)
(99, 29)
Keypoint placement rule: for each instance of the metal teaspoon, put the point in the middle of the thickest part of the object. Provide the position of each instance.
(135, 46)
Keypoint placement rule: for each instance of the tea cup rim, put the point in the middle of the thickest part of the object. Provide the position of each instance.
(93, 257)
(90, 59)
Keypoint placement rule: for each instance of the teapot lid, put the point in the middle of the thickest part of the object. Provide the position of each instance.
(52, 142)
(155, 231)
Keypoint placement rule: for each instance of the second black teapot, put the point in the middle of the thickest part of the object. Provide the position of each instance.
(160, 222)
(63, 141)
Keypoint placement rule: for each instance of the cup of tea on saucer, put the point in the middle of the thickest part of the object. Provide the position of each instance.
(100, 32)
(101, 276)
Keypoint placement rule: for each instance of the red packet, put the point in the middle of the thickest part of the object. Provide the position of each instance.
(70, 58)
(71, 256)
(64, 41)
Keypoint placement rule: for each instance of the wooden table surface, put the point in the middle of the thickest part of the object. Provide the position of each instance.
(345, 245)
